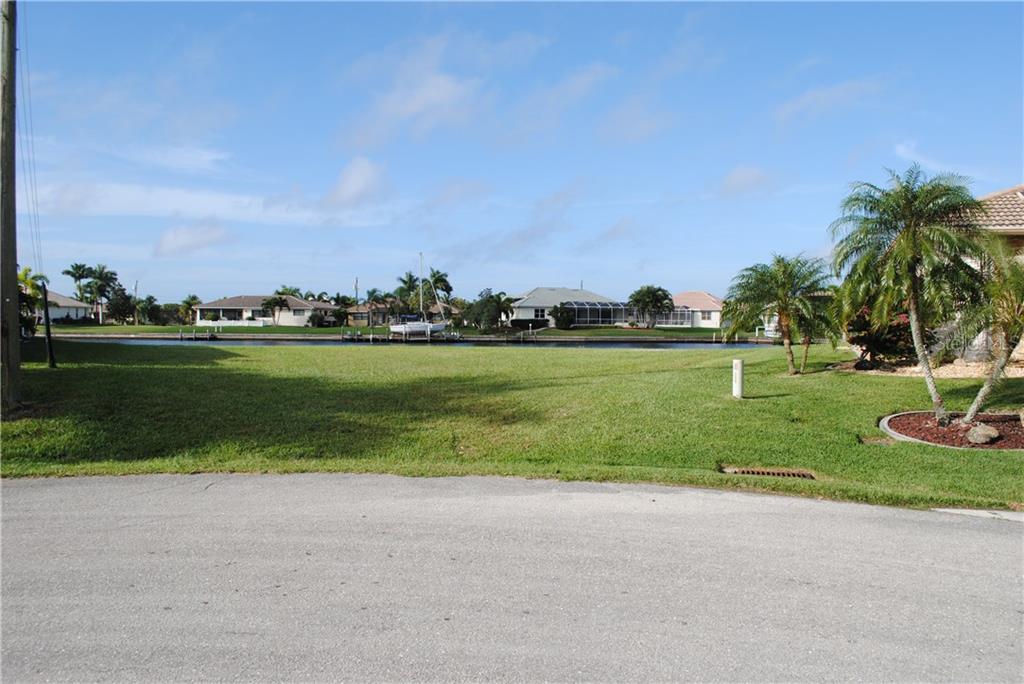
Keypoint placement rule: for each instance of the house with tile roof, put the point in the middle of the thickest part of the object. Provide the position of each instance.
(694, 309)
(1004, 215)
(247, 310)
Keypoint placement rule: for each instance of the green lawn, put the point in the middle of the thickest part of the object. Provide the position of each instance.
(173, 329)
(624, 415)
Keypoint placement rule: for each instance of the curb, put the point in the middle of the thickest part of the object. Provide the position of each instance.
(883, 425)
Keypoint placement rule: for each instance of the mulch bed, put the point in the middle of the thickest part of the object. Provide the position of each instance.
(923, 426)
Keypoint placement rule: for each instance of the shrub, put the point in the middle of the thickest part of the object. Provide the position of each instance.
(893, 342)
(316, 320)
(564, 317)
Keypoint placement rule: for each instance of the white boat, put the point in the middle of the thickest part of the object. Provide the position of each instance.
(422, 328)
(417, 328)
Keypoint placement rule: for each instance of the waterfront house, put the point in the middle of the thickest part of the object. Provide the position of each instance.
(247, 310)
(65, 308)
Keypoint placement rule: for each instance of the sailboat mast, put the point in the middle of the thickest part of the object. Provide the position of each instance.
(422, 310)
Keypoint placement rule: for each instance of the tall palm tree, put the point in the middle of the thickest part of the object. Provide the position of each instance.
(911, 242)
(78, 273)
(407, 291)
(102, 282)
(786, 289)
(1001, 315)
(274, 304)
(289, 290)
(440, 285)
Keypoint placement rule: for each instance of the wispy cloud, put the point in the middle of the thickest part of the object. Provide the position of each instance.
(907, 151)
(187, 239)
(360, 181)
(420, 96)
(543, 109)
(635, 119)
(622, 230)
(818, 101)
(746, 179)
(181, 158)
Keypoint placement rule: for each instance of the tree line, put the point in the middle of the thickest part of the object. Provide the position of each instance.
(907, 256)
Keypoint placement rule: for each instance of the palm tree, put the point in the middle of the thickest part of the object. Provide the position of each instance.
(407, 291)
(440, 285)
(78, 273)
(186, 307)
(274, 304)
(785, 288)
(102, 282)
(911, 243)
(289, 290)
(374, 298)
(650, 301)
(822, 321)
(1001, 314)
(32, 283)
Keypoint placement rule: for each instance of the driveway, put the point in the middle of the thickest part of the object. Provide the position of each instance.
(366, 577)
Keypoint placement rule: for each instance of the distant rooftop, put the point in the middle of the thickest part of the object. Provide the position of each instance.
(547, 297)
(57, 299)
(256, 302)
(697, 299)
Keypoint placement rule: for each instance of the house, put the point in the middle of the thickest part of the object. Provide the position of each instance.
(365, 315)
(1004, 215)
(247, 310)
(694, 309)
(591, 308)
(66, 308)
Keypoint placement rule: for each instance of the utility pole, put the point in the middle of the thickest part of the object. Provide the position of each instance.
(10, 327)
(50, 359)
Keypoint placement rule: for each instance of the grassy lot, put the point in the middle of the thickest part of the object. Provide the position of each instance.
(624, 415)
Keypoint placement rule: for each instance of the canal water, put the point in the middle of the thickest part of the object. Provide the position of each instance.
(693, 346)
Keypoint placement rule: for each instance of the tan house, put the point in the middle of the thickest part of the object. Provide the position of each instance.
(1004, 215)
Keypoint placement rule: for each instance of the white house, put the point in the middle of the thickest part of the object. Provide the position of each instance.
(247, 310)
(536, 305)
(694, 309)
(66, 308)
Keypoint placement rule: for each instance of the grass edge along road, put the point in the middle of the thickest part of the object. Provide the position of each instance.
(612, 415)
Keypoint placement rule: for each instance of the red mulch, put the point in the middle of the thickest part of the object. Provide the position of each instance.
(923, 426)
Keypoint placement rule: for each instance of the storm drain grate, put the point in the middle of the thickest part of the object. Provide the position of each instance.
(768, 472)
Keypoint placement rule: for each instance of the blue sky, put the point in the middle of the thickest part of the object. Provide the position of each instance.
(223, 149)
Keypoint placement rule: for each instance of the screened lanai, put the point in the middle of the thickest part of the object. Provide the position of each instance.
(600, 313)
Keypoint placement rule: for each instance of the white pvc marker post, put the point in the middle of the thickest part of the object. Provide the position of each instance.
(737, 378)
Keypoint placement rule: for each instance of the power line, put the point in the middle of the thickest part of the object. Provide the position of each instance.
(28, 145)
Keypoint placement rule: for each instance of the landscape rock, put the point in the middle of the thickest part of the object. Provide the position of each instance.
(982, 434)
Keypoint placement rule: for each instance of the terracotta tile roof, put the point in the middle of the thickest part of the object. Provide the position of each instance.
(1004, 211)
(700, 300)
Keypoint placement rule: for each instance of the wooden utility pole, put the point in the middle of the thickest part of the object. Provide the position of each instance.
(50, 359)
(10, 328)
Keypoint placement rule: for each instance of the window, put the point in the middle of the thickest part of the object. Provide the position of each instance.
(298, 312)
(705, 315)
(539, 313)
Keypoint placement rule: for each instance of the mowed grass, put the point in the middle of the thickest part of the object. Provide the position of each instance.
(189, 329)
(598, 414)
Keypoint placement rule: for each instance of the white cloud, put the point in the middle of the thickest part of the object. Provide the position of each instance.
(543, 109)
(360, 181)
(634, 120)
(182, 158)
(745, 179)
(183, 240)
(125, 199)
(420, 97)
(817, 101)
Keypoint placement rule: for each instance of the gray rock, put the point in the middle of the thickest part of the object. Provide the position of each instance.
(982, 434)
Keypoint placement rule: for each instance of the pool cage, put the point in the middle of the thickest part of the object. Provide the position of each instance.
(612, 313)
(600, 313)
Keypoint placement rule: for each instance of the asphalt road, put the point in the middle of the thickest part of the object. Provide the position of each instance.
(356, 577)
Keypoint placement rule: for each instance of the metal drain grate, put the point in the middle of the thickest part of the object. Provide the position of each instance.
(768, 472)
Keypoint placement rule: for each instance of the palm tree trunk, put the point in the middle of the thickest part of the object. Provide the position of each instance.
(787, 342)
(923, 360)
(997, 370)
(807, 348)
